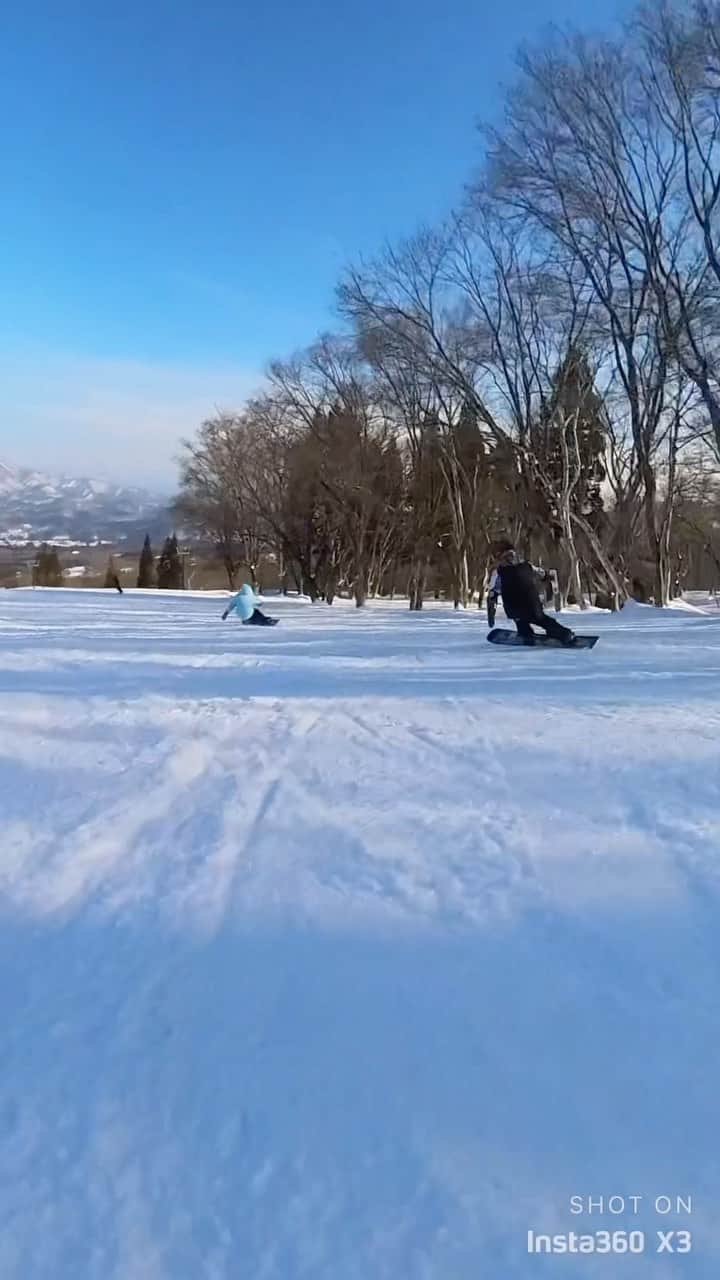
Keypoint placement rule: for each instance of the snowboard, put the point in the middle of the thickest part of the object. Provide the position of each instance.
(513, 640)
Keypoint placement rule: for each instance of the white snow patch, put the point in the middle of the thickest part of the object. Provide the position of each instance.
(353, 948)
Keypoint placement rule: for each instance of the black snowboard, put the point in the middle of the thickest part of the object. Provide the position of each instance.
(513, 640)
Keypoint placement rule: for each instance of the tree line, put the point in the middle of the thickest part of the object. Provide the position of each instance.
(165, 571)
(542, 367)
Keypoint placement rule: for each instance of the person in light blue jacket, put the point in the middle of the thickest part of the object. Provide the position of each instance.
(244, 604)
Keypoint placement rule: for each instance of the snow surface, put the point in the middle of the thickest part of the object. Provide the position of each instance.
(351, 949)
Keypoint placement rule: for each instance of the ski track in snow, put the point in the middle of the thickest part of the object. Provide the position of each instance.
(352, 949)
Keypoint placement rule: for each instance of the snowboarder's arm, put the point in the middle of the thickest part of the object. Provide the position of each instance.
(232, 605)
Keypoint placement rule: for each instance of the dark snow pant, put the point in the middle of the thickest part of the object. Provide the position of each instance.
(549, 625)
(258, 619)
(491, 608)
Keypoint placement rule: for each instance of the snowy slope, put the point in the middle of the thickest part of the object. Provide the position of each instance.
(352, 949)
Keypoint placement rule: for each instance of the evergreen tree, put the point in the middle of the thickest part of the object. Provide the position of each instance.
(466, 432)
(170, 575)
(427, 503)
(576, 409)
(47, 570)
(55, 573)
(111, 578)
(146, 568)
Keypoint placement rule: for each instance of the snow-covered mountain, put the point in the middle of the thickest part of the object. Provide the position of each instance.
(35, 506)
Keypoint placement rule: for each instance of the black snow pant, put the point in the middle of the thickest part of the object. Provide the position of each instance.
(491, 608)
(258, 619)
(549, 625)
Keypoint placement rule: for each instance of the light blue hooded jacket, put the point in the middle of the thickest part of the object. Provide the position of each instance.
(244, 603)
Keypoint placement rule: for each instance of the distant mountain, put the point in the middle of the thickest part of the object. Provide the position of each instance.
(36, 508)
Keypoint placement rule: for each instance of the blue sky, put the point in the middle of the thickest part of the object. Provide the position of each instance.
(183, 181)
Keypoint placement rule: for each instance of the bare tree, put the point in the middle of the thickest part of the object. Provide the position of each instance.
(680, 75)
(534, 367)
(404, 311)
(328, 393)
(698, 517)
(216, 494)
(578, 158)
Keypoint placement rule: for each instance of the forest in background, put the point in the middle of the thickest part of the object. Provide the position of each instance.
(541, 368)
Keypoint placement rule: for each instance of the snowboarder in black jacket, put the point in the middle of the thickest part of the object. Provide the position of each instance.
(517, 582)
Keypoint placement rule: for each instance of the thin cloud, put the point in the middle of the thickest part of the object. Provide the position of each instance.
(117, 419)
